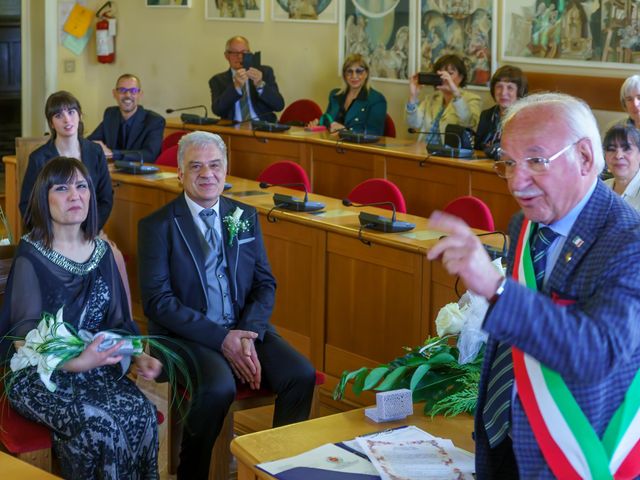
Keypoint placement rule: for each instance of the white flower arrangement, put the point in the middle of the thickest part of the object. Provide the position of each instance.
(235, 225)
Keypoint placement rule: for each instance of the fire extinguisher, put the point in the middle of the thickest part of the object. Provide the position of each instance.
(105, 35)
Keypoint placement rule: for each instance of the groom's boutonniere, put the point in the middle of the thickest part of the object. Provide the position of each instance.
(235, 225)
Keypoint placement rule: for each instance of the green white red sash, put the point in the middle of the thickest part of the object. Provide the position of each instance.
(567, 440)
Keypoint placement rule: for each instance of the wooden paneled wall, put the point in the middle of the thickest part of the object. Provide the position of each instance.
(601, 93)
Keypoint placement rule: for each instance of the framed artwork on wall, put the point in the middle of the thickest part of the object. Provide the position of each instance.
(238, 10)
(466, 29)
(595, 33)
(169, 3)
(383, 33)
(311, 11)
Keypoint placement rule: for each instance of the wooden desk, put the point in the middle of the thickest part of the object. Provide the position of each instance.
(294, 439)
(13, 468)
(334, 168)
(340, 302)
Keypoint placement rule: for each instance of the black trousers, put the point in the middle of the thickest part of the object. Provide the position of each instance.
(284, 371)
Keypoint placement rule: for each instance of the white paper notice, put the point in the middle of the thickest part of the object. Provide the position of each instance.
(422, 457)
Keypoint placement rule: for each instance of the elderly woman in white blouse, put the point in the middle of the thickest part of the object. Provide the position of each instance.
(622, 154)
(449, 104)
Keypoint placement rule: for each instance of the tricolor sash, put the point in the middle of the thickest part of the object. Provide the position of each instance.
(570, 446)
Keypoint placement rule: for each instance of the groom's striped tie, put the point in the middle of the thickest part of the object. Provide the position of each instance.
(496, 412)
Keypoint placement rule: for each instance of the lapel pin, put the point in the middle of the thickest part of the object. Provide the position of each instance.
(577, 241)
(568, 256)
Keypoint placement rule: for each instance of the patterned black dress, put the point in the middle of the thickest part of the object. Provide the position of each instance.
(103, 426)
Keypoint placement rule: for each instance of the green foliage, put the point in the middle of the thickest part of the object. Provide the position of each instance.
(431, 371)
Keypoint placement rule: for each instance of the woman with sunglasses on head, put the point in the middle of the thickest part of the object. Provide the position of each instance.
(64, 117)
(449, 104)
(622, 153)
(356, 106)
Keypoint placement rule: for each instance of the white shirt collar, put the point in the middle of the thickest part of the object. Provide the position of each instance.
(195, 210)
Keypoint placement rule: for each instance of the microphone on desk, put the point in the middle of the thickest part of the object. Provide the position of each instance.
(445, 149)
(132, 162)
(289, 202)
(194, 119)
(378, 222)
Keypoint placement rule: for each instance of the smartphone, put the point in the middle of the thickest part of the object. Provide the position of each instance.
(425, 78)
(250, 59)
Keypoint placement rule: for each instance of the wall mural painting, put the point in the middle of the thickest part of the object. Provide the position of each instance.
(247, 10)
(381, 31)
(460, 27)
(592, 33)
(313, 11)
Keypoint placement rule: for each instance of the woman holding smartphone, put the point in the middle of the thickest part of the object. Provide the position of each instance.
(449, 103)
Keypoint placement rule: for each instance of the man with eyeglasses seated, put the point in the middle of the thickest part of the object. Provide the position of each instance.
(563, 322)
(129, 126)
(243, 94)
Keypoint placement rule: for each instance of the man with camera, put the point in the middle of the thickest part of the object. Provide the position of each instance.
(247, 90)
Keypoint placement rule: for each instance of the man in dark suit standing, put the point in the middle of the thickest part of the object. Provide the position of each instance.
(129, 126)
(564, 322)
(243, 94)
(210, 286)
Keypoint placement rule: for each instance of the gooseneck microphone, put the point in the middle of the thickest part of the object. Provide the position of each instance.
(289, 202)
(444, 149)
(378, 222)
(194, 119)
(133, 162)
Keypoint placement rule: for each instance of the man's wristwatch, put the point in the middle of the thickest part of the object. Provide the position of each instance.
(499, 291)
(261, 84)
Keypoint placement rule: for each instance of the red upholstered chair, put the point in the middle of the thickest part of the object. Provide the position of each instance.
(285, 172)
(168, 157)
(172, 139)
(221, 455)
(389, 127)
(378, 190)
(473, 211)
(301, 112)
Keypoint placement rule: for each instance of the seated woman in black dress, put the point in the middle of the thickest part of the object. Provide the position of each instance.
(356, 106)
(508, 84)
(103, 426)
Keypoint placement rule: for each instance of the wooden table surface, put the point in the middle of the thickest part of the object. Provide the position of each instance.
(12, 468)
(294, 439)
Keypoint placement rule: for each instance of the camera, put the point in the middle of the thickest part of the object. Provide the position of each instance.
(425, 78)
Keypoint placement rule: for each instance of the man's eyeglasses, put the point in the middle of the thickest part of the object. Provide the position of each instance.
(534, 165)
(354, 71)
(230, 53)
(124, 90)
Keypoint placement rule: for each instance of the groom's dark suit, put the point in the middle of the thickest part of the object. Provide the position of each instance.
(593, 343)
(173, 285)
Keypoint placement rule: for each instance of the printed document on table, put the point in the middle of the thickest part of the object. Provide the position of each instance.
(411, 453)
(328, 462)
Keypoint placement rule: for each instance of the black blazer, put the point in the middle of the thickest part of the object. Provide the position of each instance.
(487, 127)
(173, 278)
(224, 95)
(94, 160)
(145, 135)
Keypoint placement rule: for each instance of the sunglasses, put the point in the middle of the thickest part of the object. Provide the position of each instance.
(354, 71)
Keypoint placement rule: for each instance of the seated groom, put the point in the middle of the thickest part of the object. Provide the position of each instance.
(214, 291)
(560, 382)
(129, 126)
(239, 94)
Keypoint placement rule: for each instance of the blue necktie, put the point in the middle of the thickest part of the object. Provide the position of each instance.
(208, 216)
(496, 412)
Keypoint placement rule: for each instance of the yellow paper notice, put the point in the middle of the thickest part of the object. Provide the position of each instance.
(78, 21)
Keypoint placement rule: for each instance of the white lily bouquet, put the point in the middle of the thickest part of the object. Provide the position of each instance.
(54, 342)
(443, 375)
